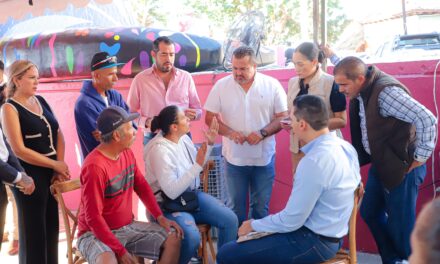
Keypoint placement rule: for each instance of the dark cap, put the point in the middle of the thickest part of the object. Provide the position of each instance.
(102, 60)
(112, 117)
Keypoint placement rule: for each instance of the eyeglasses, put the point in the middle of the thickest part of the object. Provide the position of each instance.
(112, 59)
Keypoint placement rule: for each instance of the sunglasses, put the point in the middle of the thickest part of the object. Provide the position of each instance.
(111, 59)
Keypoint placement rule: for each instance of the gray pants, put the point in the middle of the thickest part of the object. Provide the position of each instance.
(139, 238)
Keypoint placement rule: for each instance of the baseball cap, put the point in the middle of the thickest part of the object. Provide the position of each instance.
(112, 117)
(102, 60)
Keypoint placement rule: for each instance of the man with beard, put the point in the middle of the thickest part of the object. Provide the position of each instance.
(162, 85)
(249, 106)
(96, 95)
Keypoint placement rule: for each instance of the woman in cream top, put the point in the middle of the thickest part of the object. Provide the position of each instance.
(311, 79)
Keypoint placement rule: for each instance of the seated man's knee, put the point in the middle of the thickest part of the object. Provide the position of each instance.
(106, 258)
(172, 241)
(224, 255)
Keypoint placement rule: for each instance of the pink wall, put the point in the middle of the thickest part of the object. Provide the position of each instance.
(418, 76)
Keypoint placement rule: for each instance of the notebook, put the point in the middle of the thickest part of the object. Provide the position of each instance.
(253, 235)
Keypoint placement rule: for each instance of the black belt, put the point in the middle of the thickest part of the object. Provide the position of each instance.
(329, 239)
(325, 238)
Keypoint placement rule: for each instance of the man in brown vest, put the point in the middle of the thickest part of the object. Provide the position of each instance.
(396, 134)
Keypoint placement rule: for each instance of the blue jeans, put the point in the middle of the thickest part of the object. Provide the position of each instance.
(211, 212)
(256, 179)
(390, 214)
(300, 246)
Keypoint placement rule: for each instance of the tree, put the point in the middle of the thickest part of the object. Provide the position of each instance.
(337, 21)
(148, 12)
(282, 16)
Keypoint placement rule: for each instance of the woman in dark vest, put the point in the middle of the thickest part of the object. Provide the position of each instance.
(34, 135)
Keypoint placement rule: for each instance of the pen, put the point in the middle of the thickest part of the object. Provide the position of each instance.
(13, 185)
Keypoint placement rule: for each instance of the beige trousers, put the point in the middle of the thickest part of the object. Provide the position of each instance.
(11, 224)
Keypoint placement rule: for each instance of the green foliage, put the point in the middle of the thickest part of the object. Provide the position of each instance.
(148, 12)
(282, 16)
(336, 21)
(280, 24)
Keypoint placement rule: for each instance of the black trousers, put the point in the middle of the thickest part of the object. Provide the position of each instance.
(38, 220)
(3, 205)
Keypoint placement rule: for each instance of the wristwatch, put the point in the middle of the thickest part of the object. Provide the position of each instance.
(263, 133)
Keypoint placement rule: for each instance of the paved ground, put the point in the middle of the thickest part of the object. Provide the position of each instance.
(363, 258)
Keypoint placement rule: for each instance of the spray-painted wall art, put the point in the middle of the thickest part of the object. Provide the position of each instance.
(67, 54)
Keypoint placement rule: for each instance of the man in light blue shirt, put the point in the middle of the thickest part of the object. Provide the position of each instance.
(311, 226)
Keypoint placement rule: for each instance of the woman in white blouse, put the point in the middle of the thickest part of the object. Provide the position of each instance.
(173, 165)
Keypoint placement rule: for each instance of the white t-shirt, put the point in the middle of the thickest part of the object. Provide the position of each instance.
(246, 113)
(105, 98)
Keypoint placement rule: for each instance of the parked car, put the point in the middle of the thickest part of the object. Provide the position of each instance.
(410, 47)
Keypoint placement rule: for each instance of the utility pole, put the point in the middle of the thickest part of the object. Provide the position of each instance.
(324, 30)
(323, 25)
(405, 31)
(315, 20)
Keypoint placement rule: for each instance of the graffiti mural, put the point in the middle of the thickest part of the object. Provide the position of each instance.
(67, 54)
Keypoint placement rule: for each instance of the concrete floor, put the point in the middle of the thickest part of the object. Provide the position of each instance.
(366, 258)
(363, 258)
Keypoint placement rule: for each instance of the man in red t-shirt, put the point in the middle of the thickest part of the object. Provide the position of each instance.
(107, 232)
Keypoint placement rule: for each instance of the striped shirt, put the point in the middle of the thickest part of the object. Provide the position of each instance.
(395, 102)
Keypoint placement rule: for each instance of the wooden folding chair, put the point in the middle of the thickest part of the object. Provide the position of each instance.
(57, 189)
(204, 229)
(342, 257)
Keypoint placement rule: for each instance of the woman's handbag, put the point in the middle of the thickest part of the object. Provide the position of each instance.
(186, 202)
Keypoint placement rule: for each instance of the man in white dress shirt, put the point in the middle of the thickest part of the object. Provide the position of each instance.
(249, 106)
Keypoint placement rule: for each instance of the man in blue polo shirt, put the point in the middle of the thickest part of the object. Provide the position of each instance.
(311, 226)
(96, 95)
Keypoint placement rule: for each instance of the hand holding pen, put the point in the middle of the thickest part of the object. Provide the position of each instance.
(25, 185)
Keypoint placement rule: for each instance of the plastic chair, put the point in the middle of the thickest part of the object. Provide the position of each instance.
(342, 257)
(57, 189)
